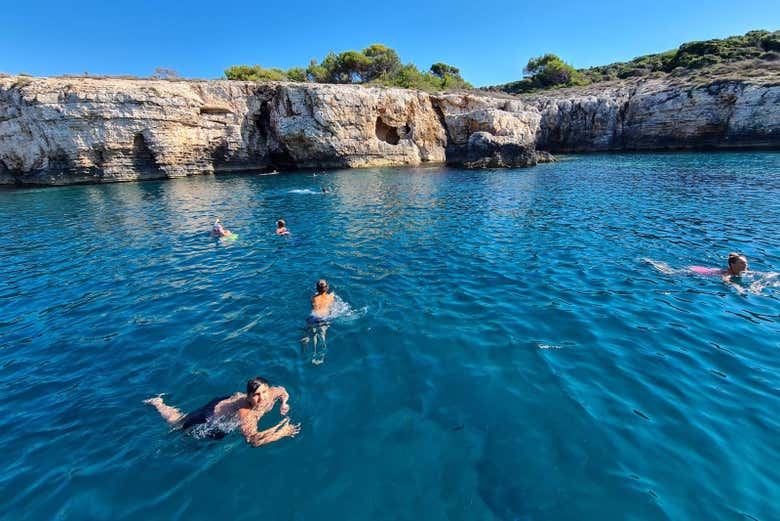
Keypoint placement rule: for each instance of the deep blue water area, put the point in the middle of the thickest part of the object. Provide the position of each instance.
(504, 351)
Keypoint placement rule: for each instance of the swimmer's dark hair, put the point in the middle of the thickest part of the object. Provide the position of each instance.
(322, 286)
(733, 257)
(253, 384)
(280, 223)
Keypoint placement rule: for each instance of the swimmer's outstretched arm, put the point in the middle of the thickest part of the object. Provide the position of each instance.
(281, 392)
(281, 430)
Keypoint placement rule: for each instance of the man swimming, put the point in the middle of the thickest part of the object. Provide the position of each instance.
(281, 228)
(317, 321)
(217, 230)
(247, 408)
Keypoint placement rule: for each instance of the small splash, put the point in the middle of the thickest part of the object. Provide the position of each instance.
(661, 266)
(765, 281)
(342, 310)
(221, 425)
(548, 346)
(305, 191)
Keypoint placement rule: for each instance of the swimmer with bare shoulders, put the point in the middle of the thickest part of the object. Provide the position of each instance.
(217, 230)
(317, 321)
(738, 266)
(247, 408)
(281, 228)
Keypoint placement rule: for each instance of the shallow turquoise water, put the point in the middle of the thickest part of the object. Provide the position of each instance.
(507, 353)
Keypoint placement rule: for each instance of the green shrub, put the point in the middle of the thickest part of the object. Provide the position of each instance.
(254, 73)
(550, 71)
(376, 64)
(296, 74)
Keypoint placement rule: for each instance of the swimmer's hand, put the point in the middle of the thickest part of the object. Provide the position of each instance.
(281, 430)
(288, 429)
(284, 409)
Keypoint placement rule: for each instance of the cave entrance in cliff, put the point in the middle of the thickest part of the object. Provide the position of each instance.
(143, 157)
(386, 133)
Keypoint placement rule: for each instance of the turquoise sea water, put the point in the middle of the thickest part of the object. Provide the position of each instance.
(504, 352)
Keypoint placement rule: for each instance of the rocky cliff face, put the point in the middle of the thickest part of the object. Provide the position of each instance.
(72, 130)
(655, 115)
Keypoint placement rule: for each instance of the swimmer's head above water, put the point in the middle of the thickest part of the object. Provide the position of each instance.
(322, 286)
(738, 264)
(257, 391)
(281, 227)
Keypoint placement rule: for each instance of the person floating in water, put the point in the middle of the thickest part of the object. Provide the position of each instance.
(217, 230)
(281, 228)
(317, 321)
(247, 409)
(324, 190)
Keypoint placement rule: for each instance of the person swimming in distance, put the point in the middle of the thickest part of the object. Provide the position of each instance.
(324, 190)
(738, 266)
(281, 228)
(317, 321)
(217, 230)
(247, 408)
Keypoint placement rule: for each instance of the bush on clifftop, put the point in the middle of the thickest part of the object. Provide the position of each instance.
(376, 65)
(754, 45)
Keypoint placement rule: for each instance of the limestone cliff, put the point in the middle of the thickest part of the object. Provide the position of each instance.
(657, 115)
(76, 130)
(71, 130)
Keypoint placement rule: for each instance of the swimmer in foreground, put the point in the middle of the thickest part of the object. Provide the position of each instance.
(281, 228)
(247, 409)
(217, 230)
(317, 321)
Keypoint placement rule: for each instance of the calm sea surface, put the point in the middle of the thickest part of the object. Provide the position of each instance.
(503, 352)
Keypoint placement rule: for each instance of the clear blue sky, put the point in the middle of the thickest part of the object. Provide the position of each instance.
(489, 41)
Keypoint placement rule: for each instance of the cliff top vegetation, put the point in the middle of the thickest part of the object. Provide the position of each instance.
(755, 50)
(375, 65)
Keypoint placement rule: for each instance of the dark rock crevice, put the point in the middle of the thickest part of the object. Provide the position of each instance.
(278, 154)
(386, 133)
(144, 160)
(453, 154)
(8, 176)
